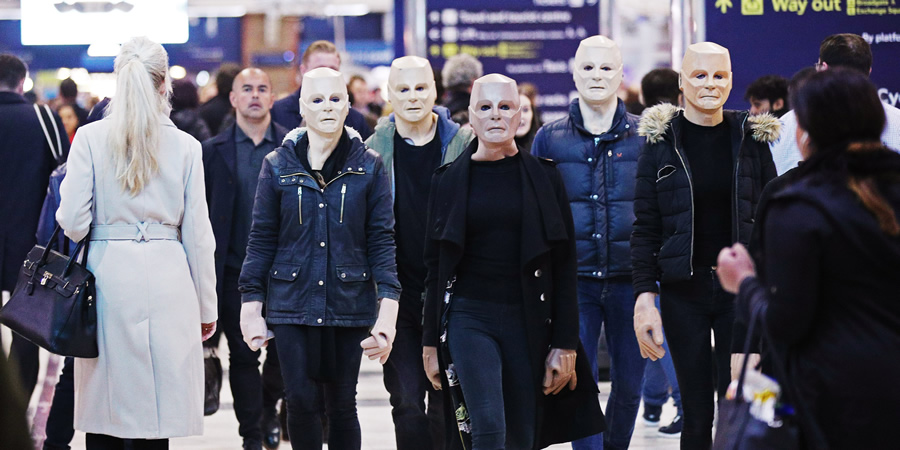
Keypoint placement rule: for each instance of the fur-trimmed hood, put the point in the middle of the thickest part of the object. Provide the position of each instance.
(655, 122)
(295, 134)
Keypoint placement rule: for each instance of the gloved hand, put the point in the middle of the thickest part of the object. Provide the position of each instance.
(207, 330)
(253, 326)
(559, 371)
(648, 326)
(734, 265)
(737, 360)
(379, 344)
(432, 369)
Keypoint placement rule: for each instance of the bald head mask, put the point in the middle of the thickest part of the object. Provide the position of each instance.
(598, 69)
(411, 88)
(323, 100)
(494, 109)
(706, 77)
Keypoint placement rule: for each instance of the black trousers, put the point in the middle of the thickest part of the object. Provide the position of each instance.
(405, 380)
(62, 411)
(303, 391)
(24, 357)
(689, 310)
(104, 442)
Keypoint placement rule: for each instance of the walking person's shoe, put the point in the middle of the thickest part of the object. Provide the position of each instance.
(673, 430)
(271, 428)
(651, 415)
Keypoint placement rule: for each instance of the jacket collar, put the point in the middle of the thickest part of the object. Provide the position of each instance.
(446, 127)
(618, 123)
(7, 98)
(224, 143)
(356, 161)
(542, 222)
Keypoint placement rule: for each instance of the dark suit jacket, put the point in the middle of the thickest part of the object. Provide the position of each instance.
(549, 277)
(219, 156)
(24, 175)
(286, 113)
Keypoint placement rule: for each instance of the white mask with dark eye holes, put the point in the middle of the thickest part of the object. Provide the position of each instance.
(706, 77)
(323, 100)
(411, 89)
(598, 69)
(494, 111)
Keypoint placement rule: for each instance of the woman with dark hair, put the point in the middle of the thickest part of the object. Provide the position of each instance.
(827, 287)
(184, 110)
(531, 117)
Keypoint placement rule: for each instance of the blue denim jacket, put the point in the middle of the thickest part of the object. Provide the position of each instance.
(321, 257)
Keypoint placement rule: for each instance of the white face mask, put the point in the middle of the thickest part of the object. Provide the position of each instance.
(411, 88)
(706, 77)
(494, 111)
(598, 71)
(323, 100)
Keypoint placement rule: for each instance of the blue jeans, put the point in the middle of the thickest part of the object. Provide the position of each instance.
(489, 347)
(611, 301)
(659, 376)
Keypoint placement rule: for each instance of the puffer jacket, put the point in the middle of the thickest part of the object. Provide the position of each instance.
(662, 243)
(316, 256)
(599, 175)
(454, 139)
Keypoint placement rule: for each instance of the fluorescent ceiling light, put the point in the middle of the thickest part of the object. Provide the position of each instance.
(352, 9)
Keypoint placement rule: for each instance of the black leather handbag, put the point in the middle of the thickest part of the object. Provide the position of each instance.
(54, 303)
(212, 369)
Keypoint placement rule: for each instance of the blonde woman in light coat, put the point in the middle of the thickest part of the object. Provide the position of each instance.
(136, 183)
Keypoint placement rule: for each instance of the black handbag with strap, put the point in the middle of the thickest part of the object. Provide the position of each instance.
(54, 303)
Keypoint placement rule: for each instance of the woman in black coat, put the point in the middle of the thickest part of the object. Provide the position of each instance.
(828, 285)
(500, 291)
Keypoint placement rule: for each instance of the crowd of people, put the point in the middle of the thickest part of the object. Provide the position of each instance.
(475, 252)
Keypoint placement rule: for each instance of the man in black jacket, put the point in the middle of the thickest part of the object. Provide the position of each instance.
(699, 180)
(286, 111)
(24, 175)
(232, 161)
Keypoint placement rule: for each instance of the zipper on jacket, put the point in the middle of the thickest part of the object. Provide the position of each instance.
(737, 219)
(300, 203)
(691, 186)
(343, 194)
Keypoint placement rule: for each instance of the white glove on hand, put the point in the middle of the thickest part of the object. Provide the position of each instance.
(648, 326)
(253, 326)
(379, 344)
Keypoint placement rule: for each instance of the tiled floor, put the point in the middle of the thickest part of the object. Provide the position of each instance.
(375, 419)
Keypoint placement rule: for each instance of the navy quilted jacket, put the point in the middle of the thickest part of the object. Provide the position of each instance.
(599, 174)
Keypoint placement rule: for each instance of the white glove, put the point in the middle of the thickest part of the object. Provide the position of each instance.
(253, 326)
(379, 344)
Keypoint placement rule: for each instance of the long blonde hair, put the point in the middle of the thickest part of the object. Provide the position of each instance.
(142, 70)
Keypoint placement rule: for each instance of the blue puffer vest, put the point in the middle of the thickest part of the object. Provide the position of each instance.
(599, 173)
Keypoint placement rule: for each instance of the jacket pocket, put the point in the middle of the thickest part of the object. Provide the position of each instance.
(355, 293)
(282, 288)
(353, 272)
(665, 172)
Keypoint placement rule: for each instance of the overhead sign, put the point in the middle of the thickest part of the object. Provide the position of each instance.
(68, 22)
(783, 36)
(530, 41)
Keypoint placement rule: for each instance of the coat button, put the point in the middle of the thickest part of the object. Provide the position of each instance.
(294, 274)
(321, 283)
(343, 275)
(364, 274)
(548, 321)
(590, 159)
(321, 244)
(318, 320)
(321, 205)
(595, 197)
(275, 273)
(542, 298)
(538, 273)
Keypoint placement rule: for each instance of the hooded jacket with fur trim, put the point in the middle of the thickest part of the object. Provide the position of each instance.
(317, 255)
(662, 242)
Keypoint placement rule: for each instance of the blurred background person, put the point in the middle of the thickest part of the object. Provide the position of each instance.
(134, 173)
(184, 110)
(69, 119)
(531, 116)
(215, 111)
(458, 74)
(660, 383)
(768, 94)
(68, 95)
(827, 287)
(361, 99)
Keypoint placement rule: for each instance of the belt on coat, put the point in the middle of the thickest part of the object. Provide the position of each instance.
(138, 232)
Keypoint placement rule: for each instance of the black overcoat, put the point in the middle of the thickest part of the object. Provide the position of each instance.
(24, 176)
(549, 278)
(219, 159)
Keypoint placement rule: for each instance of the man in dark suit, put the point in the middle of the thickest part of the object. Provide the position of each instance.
(24, 175)
(286, 111)
(231, 161)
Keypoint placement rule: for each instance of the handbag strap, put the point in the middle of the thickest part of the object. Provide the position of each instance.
(755, 313)
(56, 150)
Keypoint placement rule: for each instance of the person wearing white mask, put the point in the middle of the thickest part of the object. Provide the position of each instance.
(321, 256)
